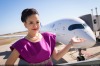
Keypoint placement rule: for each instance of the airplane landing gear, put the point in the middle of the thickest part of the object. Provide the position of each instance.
(80, 57)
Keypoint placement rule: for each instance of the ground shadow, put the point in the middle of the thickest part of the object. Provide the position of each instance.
(5, 54)
(22, 62)
(59, 62)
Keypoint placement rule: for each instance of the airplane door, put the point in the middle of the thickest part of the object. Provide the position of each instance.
(95, 26)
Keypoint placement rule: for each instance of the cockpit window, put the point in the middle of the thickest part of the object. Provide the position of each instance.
(85, 25)
(75, 26)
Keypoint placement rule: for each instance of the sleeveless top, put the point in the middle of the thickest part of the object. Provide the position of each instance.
(36, 52)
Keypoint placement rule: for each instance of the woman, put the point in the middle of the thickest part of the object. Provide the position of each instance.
(37, 48)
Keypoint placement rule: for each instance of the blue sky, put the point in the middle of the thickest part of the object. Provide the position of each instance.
(49, 10)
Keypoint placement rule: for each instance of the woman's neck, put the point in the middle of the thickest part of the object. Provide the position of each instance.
(34, 37)
(31, 35)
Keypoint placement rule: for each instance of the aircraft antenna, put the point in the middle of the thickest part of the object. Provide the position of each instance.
(92, 11)
(96, 12)
(92, 14)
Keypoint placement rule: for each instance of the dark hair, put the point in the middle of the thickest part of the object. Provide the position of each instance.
(28, 12)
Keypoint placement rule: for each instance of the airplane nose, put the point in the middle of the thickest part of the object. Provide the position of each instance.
(91, 38)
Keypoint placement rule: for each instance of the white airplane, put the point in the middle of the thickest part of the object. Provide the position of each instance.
(65, 29)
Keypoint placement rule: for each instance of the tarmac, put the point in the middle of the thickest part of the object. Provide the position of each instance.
(69, 57)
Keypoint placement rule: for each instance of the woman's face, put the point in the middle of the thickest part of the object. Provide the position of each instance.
(32, 23)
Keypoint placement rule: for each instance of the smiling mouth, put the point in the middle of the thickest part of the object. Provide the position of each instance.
(34, 29)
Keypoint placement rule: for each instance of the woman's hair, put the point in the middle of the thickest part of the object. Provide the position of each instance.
(28, 12)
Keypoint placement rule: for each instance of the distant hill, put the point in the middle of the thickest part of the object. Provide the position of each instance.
(15, 33)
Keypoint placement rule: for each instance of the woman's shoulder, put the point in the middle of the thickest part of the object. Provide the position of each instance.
(48, 34)
(20, 42)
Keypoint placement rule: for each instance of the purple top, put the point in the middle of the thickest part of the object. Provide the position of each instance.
(35, 52)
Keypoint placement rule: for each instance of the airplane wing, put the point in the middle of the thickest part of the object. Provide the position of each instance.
(93, 61)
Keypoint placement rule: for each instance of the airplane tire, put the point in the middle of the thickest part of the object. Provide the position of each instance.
(80, 58)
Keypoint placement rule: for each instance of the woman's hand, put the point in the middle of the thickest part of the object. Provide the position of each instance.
(58, 55)
(76, 40)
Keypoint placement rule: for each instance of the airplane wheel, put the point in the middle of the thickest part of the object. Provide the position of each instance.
(80, 58)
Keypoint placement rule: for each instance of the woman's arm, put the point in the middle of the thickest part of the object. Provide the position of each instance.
(57, 55)
(12, 58)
